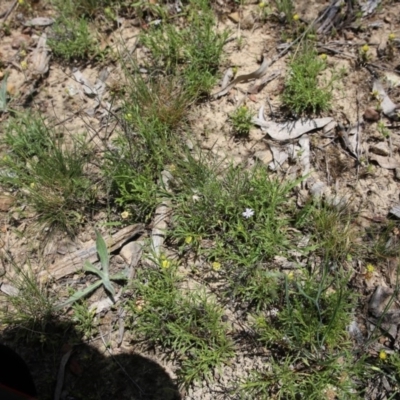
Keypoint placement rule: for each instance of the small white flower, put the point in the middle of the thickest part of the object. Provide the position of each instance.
(273, 312)
(248, 213)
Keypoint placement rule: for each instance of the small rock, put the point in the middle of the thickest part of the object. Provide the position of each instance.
(6, 202)
(381, 149)
(387, 20)
(247, 21)
(371, 115)
(20, 41)
(348, 35)
(265, 156)
(132, 252)
(397, 173)
(234, 17)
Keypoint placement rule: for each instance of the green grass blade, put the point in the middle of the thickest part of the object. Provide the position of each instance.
(78, 295)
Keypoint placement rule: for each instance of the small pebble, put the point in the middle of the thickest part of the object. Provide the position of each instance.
(371, 115)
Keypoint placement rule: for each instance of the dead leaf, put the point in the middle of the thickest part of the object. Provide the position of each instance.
(386, 162)
(386, 104)
(40, 57)
(39, 21)
(6, 202)
(290, 130)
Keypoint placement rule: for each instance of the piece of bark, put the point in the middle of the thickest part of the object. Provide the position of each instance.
(74, 262)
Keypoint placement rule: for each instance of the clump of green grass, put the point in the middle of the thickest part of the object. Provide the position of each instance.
(191, 52)
(32, 308)
(71, 39)
(244, 214)
(49, 175)
(188, 323)
(304, 91)
(241, 121)
(306, 333)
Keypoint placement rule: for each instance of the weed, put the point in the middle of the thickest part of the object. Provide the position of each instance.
(383, 130)
(243, 214)
(190, 324)
(32, 307)
(84, 319)
(303, 92)
(331, 229)
(103, 274)
(309, 328)
(192, 52)
(47, 173)
(241, 121)
(285, 8)
(71, 39)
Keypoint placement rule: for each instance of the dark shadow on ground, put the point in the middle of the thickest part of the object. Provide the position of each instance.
(89, 374)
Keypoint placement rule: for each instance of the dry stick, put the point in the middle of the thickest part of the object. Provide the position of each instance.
(60, 375)
(7, 13)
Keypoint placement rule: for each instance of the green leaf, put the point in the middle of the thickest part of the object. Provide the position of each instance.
(107, 284)
(119, 277)
(78, 295)
(102, 252)
(88, 267)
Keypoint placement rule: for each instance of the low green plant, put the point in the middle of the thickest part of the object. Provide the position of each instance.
(48, 174)
(103, 274)
(286, 8)
(71, 39)
(191, 52)
(304, 91)
(306, 334)
(84, 319)
(32, 307)
(188, 322)
(331, 228)
(241, 121)
(245, 214)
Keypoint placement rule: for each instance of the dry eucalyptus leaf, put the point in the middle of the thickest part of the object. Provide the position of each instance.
(40, 57)
(386, 162)
(290, 130)
(280, 156)
(39, 21)
(387, 105)
(395, 210)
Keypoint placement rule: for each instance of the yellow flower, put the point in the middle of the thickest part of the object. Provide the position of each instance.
(165, 264)
(216, 266)
(323, 56)
(125, 215)
(235, 70)
(370, 268)
(24, 65)
(32, 185)
(261, 5)
(188, 240)
(296, 17)
(21, 2)
(382, 355)
(290, 276)
(365, 48)
(391, 36)
(128, 117)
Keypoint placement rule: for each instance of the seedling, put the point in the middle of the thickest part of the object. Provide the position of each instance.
(241, 121)
(303, 91)
(105, 278)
